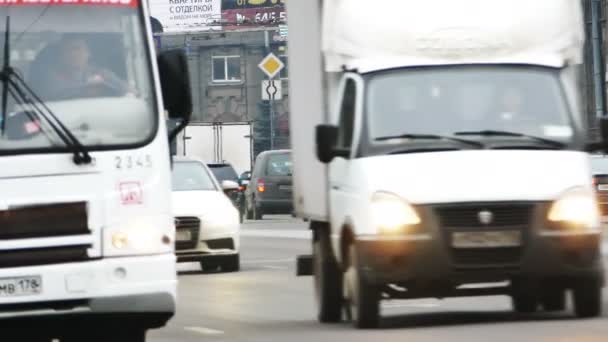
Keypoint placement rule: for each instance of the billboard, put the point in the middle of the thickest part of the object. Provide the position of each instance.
(187, 15)
(240, 4)
(247, 13)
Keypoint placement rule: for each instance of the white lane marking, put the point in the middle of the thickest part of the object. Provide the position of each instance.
(277, 234)
(275, 267)
(204, 331)
(267, 261)
(410, 305)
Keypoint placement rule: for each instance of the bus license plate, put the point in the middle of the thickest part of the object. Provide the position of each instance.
(22, 286)
(183, 235)
(493, 239)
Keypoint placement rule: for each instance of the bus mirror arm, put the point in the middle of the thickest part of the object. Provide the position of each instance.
(174, 131)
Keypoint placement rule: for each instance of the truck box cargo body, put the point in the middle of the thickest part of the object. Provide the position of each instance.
(442, 143)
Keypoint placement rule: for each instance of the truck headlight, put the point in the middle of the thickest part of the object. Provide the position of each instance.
(577, 207)
(392, 214)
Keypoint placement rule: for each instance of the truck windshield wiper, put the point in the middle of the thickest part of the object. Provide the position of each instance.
(16, 86)
(493, 133)
(431, 137)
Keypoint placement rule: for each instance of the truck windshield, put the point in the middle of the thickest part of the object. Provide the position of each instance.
(444, 101)
(89, 64)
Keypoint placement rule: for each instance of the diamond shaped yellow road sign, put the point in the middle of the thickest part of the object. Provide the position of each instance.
(271, 65)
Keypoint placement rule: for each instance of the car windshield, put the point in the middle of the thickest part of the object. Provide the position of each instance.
(279, 165)
(443, 101)
(224, 172)
(599, 165)
(89, 64)
(191, 176)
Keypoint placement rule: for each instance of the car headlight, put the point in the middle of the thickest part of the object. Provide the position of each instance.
(578, 207)
(391, 214)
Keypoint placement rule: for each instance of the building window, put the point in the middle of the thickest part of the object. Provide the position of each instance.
(284, 74)
(226, 68)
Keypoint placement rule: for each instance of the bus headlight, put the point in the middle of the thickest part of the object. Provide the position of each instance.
(391, 214)
(142, 236)
(576, 207)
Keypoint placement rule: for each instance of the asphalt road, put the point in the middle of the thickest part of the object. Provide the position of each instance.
(267, 302)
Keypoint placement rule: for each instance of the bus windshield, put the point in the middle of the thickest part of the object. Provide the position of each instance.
(88, 62)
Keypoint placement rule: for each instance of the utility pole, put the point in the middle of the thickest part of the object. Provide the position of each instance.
(598, 67)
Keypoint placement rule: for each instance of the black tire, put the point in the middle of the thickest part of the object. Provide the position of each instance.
(35, 338)
(553, 300)
(327, 279)
(209, 265)
(363, 302)
(588, 298)
(258, 214)
(524, 303)
(232, 264)
(119, 335)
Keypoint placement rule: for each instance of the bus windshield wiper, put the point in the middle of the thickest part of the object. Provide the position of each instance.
(494, 133)
(431, 137)
(16, 86)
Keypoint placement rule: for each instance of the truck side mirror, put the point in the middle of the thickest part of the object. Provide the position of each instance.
(327, 139)
(175, 85)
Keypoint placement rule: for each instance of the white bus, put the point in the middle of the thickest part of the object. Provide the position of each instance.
(86, 229)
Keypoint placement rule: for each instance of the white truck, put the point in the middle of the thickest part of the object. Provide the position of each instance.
(86, 228)
(438, 144)
(218, 143)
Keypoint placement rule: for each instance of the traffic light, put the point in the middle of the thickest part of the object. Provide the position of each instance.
(261, 128)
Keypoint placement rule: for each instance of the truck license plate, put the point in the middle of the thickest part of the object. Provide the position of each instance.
(493, 239)
(22, 286)
(183, 235)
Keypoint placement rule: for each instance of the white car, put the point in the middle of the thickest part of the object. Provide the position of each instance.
(207, 223)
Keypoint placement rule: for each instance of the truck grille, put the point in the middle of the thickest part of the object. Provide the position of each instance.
(43, 256)
(602, 196)
(466, 217)
(47, 220)
(191, 224)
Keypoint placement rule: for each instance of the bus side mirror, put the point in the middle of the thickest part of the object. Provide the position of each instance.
(603, 125)
(175, 85)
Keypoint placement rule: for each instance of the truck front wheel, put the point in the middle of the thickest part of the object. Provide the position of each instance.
(328, 280)
(362, 298)
(588, 298)
(524, 303)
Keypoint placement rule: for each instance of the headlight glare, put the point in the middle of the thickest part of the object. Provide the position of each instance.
(576, 207)
(391, 214)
